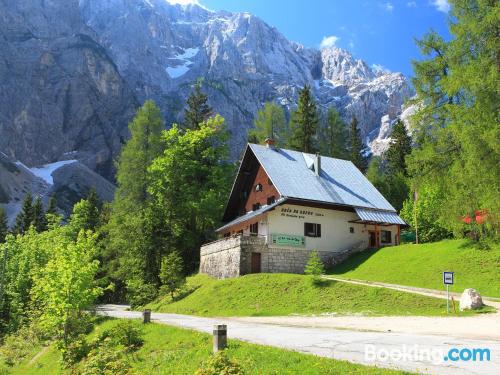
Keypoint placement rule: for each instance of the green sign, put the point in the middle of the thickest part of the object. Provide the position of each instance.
(288, 240)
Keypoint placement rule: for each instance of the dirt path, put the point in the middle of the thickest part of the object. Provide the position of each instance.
(350, 345)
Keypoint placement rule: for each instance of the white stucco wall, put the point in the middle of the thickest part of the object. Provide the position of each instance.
(335, 233)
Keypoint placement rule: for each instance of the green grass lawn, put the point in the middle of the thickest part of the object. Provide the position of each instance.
(422, 265)
(169, 350)
(285, 294)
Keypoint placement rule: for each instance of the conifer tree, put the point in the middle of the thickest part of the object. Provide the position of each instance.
(52, 207)
(356, 146)
(95, 209)
(270, 122)
(25, 218)
(304, 123)
(197, 110)
(39, 219)
(333, 136)
(4, 229)
(399, 148)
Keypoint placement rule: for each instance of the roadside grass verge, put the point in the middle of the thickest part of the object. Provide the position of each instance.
(288, 294)
(422, 266)
(169, 350)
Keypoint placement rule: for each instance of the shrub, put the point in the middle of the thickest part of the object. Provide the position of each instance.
(125, 333)
(19, 345)
(171, 274)
(140, 293)
(74, 350)
(106, 359)
(314, 266)
(220, 364)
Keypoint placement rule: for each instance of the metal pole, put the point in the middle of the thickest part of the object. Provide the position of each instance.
(447, 298)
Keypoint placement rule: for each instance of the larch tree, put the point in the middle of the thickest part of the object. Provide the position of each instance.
(270, 122)
(304, 123)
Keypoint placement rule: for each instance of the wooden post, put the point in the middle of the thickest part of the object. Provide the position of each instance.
(377, 240)
(399, 235)
(220, 337)
(146, 316)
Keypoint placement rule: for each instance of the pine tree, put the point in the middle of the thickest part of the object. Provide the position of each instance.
(270, 122)
(356, 147)
(333, 136)
(39, 219)
(4, 228)
(25, 218)
(399, 148)
(304, 123)
(197, 109)
(52, 207)
(128, 248)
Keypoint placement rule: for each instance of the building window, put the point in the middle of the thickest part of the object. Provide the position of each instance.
(271, 200)
(258, 187)
(351, 229)
(255, 206)
(385, 236)
(254, 228)
(312, 230)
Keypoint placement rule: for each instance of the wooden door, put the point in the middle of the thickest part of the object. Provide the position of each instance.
(255, 263)
(373, 239)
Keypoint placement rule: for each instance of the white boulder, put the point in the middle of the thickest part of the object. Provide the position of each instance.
(470, 300)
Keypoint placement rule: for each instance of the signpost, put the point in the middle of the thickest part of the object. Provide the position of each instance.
(448, 280)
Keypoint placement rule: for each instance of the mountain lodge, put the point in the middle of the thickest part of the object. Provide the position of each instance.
(285, 204)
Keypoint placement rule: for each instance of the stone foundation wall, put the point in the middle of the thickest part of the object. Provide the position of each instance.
(232, 257)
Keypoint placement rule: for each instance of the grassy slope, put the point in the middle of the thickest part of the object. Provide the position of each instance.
(422, 265)
(169, 350)
(284, 294)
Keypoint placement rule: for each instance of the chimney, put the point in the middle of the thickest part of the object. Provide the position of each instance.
(269, 142)
(317, 164)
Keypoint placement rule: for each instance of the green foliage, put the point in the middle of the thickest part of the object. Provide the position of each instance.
(126, 333)
(139, 293)
(39, 219)
(4, 229)
(25, 218)
(74, 350)
(426, 212)
(65, 286)
(456, 124)
(333, 136)
(422, 266)
(106, 359)
(171, 273)
(356, 147)
(220, 364)
(393, 186)
(129, 252)
(399, 149)
(16, 347)
(304, 123)
(189, 183)
(270, 122)
(314, 266)
(197, 110)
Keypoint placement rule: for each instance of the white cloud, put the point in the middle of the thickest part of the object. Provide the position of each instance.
(411, 4)
(441, 5)
(329, 41)
(351, 44)
(388, 7)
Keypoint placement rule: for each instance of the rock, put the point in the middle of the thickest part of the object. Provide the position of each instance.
(470, 300)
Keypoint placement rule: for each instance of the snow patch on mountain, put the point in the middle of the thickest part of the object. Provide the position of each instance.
(45, 171)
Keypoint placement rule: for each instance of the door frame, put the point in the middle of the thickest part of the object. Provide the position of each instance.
(258, 258)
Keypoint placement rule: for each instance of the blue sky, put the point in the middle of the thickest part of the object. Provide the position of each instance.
(379, 32)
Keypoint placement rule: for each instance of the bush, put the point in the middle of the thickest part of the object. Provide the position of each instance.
(314, 266)
(220, 364)
(73, 351)
(140, 293)
(18, 346)
(106, 359)
(126, 333)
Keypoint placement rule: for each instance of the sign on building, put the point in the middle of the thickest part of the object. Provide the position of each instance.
(288, 240)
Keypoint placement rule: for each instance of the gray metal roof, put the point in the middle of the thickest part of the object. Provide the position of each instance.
(251, 214)
(339, 182)
(379, 216)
